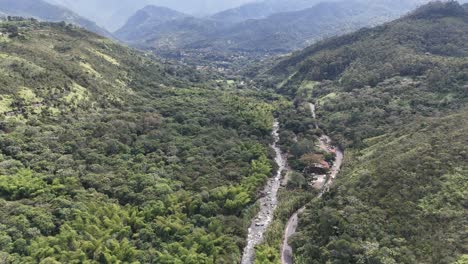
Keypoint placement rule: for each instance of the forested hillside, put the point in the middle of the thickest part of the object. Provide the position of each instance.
(411, 67)
(107, 156)
(395, 97)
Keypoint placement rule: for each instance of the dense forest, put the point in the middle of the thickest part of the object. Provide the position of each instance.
(107, 156)
(395, 97)
(111, 155)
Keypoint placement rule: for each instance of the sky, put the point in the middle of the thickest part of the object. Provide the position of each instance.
(112, 14)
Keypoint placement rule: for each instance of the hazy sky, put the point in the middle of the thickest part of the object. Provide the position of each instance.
(112, 14)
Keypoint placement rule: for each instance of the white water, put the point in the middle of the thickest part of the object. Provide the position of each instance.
(268, 204)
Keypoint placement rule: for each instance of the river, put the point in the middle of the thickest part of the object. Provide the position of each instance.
(268, 203)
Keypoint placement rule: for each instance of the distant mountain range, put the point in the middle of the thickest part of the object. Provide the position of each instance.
(112, 14)
(292, 30)
(263, 9)
(163, 28)
(45, 11)
(279, 32)
(147, 19)
(263, 27)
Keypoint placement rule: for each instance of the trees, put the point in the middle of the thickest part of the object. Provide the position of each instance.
(12, 30)
(21, 185)
(386, 96)
(384, 205)
(114, 159)
(297, 180)
(462, 260)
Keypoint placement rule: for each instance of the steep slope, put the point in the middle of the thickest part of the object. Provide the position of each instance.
(164, 29)
(44, 11)
(280, 32)
(107, 156)
(146, 19)
(396, 98)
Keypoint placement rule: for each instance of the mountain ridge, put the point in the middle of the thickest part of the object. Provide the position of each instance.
(145, 19)
(281, 32)
(112, 15)
(42, 10)
(262, 9)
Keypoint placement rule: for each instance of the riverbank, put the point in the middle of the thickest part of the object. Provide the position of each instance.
(280, 208)
(267, 204)
(289, 201)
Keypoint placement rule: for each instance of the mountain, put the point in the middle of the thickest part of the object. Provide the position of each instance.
(263, 9)
(166, 29)
(44, 11)
(281, 32)
(113, 14)
(147, 19)
(292, 30)
(107, 13)
(108, 155)
(395, 98)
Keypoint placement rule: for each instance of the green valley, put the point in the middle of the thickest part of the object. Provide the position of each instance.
(352, 150)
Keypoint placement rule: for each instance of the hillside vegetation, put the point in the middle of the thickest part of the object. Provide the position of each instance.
(395, 97)
(107, 156)
(371, 81)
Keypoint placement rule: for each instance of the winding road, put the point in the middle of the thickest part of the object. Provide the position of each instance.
(323, 183)
(268, 204)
